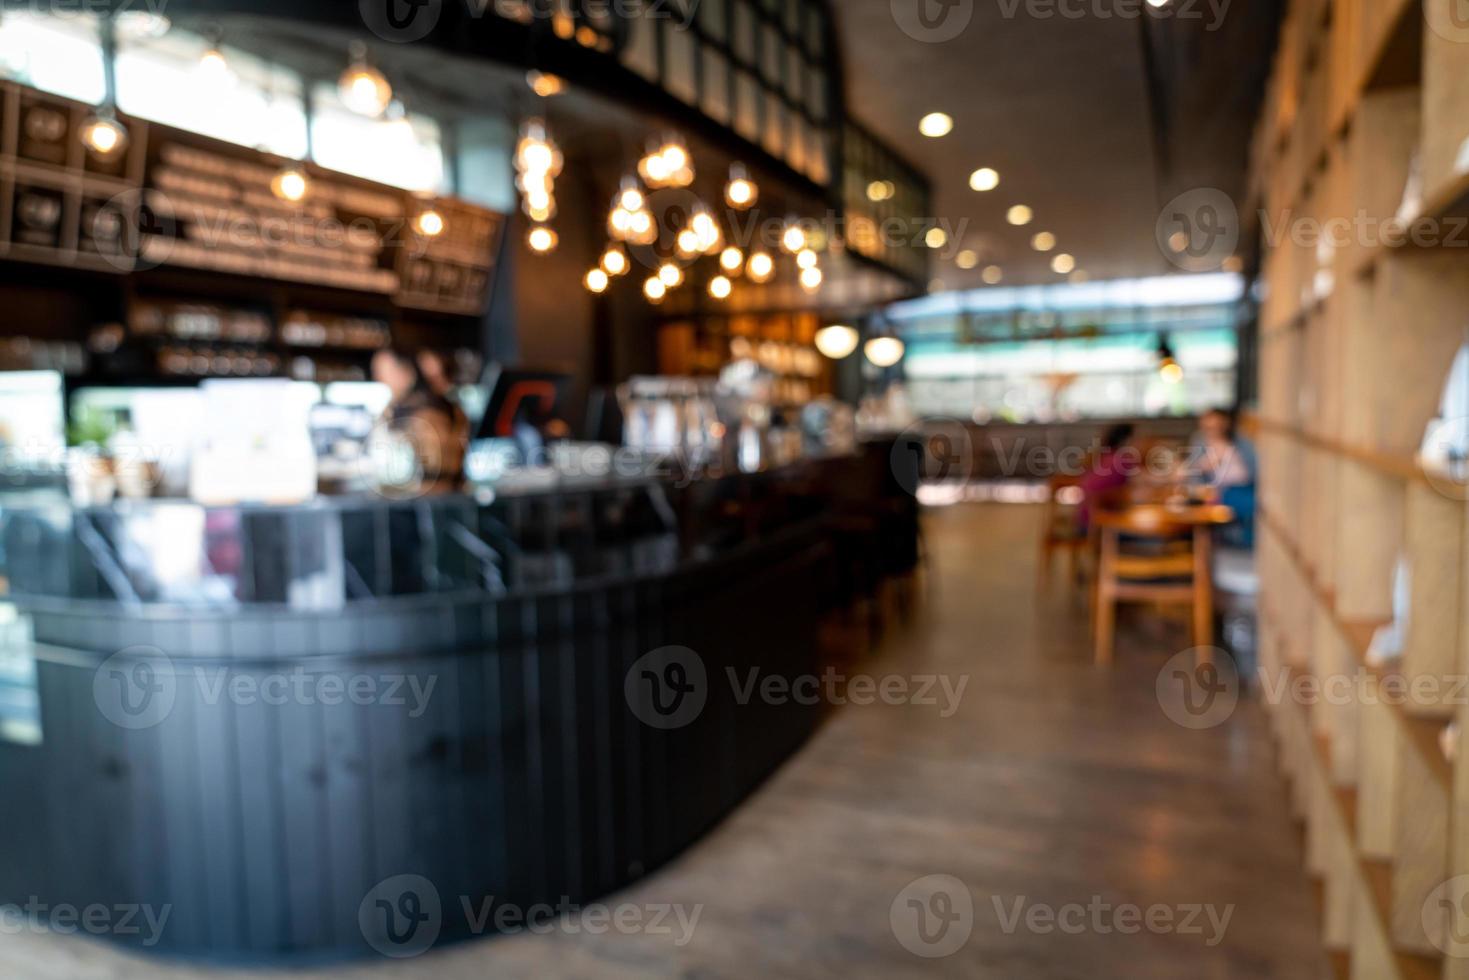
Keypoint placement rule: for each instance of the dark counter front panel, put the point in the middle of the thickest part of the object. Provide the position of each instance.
(496, 749)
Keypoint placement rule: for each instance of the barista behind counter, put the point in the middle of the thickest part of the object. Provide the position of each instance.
(425, 422)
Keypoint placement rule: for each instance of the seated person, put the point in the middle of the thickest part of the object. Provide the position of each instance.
(1107, 473)
(1224, 462)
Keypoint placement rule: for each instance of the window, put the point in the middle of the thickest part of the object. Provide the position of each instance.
(250, 102)
(60, 55)
(405, 153)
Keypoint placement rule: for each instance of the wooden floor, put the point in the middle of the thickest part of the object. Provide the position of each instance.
(1055, 783)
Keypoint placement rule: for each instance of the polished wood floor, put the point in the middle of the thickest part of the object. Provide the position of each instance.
(1054, 784)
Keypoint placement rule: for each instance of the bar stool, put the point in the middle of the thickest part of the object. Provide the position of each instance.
(1153, 553)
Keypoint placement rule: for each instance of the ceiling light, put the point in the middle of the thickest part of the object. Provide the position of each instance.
(688, 243)
(668, 165)
(103, 134)
(363, 88)
(1043, 241)
(881, 190)
(670, 274)
(703, 225)
(642, 230)
(837, 341)
(631, 198)
(429, 223)
(936, 124)
(290, 184)
(761, 267)
(138, 25)
(654, 289)
(984, 179)
(720, 287)
(542, 239)
(806, 259)
(614, 261)
(545, 84)
(884, 352)
(213, 65)
(1019, 215)
(936, 238)
(536, 156)
(993, 275)
(741, 191)
(1063, 263)
(811, 279)
(794, 239)
(731, 259)
(967, 259)
(597, 281)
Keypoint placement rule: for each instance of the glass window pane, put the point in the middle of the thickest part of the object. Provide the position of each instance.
(815, 30)
(774, 136)
(816, 94)
(679, 50)
(770, 57)
(716, 86)
(747, 107)
(251, 103)
(712, 19)
(406, 153)
(641, 52)
(795, 72)
(744, 28)
(61, 55)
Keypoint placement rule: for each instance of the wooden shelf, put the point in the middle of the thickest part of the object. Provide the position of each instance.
(1373, 875)
(1398, 57)
(1446, 205)
(1392, 465)
(1421, 731)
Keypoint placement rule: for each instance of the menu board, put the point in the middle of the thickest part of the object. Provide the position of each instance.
(181, 200)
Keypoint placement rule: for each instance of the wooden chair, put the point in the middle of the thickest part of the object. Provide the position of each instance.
(1061, 529)
(1165, 559)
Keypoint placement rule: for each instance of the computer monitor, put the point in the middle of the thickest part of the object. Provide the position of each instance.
(519, 396)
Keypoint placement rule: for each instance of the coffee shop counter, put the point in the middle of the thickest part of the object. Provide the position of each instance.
(257, 716)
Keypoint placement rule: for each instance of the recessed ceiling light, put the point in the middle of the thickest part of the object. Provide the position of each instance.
(1063, 263)
(936, 238)
(1019, 215)
(936, 124)
(984, 179)
(1043, 241)
(993, 274)
(967, 259)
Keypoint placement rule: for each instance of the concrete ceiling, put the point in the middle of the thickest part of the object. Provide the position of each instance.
(1060, 106)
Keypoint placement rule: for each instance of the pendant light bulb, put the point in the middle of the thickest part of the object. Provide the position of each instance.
(363, 88)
